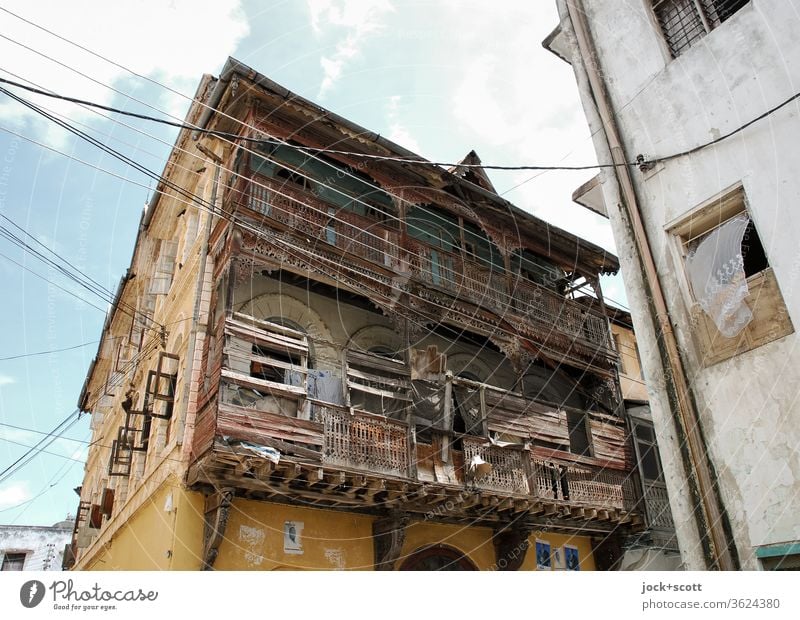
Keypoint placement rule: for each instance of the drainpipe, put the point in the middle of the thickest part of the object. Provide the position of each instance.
(190, 362)
(709, 511)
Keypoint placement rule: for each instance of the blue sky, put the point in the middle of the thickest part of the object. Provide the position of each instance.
(438, 77)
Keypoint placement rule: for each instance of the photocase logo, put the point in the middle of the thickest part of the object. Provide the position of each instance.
(31, 593)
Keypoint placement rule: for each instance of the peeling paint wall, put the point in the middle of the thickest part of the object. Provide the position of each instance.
(43, 546)
(747, 404)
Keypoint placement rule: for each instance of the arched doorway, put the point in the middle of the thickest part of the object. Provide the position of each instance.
(437, 558)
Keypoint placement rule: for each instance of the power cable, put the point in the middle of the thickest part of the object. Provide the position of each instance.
(11, 260)
(72, 348)
(389, 158)
(291, 249)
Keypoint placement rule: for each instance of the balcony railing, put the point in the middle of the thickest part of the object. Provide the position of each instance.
(583, 484)
(363, 441)
(507, 466)
(267, 399)
(378, 243)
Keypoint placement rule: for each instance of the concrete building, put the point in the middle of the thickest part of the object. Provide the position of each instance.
(691, 107)
(32, 547)
(330, 353)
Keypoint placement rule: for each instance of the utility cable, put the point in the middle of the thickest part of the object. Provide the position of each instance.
(397, 159)
(72, 348)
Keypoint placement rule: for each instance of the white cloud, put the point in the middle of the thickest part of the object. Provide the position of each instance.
(173, 42)
(6, 380)
(352, 22)
(14, 493)
(522, 104)
(398, 132)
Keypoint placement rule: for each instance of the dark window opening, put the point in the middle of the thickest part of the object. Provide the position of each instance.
(725, 8)
(578, 433)
(293, 177)
(753, 254)
(13, 561)
(438, 558)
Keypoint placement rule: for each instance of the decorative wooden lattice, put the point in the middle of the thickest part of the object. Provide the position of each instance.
(583, 484)
(657, 505)
(364, 442)
(508, 467)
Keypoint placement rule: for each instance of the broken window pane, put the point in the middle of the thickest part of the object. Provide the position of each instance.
(716, 273)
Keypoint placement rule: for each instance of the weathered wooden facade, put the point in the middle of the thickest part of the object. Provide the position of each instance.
(371, 335)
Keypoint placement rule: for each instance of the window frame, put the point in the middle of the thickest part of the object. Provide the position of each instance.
(8, 561)
(706, 21)
(711, 346)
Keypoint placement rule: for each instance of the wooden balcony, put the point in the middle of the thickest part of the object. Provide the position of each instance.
(457, 275)
(364, 442)
(276, 439)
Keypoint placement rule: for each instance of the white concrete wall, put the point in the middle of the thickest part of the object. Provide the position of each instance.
(749, 404)
(43, 546)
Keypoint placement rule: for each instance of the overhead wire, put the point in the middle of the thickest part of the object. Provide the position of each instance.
(290, 248)
(260, 153)
(372, 156)
(37, 353)
(21, 266)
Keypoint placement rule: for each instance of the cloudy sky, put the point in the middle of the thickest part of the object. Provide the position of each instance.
(438, 77)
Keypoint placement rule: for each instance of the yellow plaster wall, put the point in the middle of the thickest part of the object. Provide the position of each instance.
(154, 539)
(473, 542)
(583, 544)
(331, 540)
(147, 541)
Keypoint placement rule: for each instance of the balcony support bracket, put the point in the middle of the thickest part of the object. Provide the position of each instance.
(511, 546)
(217, 509)
(388, 536)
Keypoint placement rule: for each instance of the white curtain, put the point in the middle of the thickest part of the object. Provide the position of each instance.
(716, 273)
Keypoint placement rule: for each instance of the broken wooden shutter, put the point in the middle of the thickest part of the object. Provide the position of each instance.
(165, 268)
(107, 503)
(159, 397)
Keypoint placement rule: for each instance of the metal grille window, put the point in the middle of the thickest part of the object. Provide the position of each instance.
(684, 22)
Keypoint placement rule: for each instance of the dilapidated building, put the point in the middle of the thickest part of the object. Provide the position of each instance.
(34, 547)
(330, 353)
(693, 112)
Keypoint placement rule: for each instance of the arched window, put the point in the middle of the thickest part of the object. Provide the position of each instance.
(438, 558)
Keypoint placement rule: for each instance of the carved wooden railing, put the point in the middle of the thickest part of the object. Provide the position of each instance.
(587, 485)
(305, 213)
(507, 473)
(656, 504)
(471, 280)
(364, 441)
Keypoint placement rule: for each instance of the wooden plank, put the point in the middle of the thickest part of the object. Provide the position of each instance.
(246, 319)
(269, 361)
(377, 362)
(262, 384)
(268, 339)
(378, 392)
(399, 383)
